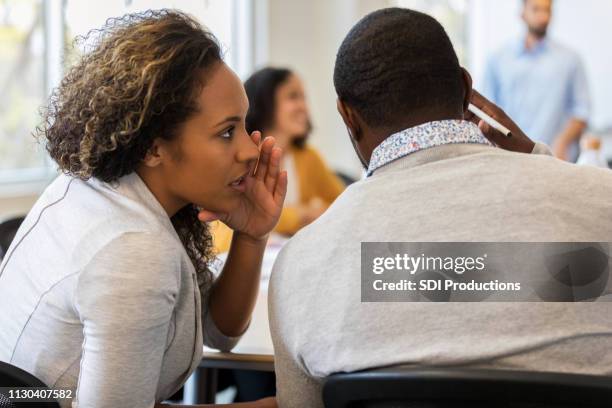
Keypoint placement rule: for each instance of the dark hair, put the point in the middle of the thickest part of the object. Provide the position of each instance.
(261, 89)
(396, 62)
(525, 2)
(137, 83)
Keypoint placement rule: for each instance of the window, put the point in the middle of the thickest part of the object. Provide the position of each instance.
(22, 86)
(452, 14)
(36, 38)
(229, 20)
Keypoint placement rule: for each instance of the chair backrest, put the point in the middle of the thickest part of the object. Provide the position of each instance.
(346, 179)
(15, 377)
(8, 229)
(453, 388)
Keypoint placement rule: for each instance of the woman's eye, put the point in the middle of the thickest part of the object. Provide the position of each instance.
(228, 133)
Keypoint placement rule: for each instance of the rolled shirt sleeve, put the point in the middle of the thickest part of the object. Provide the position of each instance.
(125, 299)
(213, 337)
(541, 148)
(579, 101)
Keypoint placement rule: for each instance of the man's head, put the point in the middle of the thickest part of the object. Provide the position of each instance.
(395, 69)
(536, 14)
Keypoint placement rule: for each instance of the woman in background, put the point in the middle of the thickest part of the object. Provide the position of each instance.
(277, 107)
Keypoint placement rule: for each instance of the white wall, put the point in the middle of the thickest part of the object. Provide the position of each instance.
(305, 36)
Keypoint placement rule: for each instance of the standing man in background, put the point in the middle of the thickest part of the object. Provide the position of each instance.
(541, 84)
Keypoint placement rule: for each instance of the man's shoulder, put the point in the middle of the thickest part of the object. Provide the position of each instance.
(554, 175)
(563, 51)
(332, 222)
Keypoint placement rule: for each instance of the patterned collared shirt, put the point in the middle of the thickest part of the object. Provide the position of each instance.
(423, 137)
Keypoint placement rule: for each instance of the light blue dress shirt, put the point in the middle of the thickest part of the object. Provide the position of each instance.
(540, 88)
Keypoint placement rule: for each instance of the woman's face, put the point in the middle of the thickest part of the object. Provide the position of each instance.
(291, 113)
(207, 161)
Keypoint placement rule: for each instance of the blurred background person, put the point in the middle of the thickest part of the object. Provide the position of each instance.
(541, 84)
(277, 106)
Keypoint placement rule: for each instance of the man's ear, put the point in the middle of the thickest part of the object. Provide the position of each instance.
(153, 158)
(350, 119)
(467, 86)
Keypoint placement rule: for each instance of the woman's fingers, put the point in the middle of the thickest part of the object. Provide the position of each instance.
(256, 137)
(273, 169)
(281, 188)
(264, 158)
(268, 169)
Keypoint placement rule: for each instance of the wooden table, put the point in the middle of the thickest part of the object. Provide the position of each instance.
(253, 352)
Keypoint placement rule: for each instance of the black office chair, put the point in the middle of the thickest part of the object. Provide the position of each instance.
(401, 387)
(346, 179)
(8, 229)
(11, 377)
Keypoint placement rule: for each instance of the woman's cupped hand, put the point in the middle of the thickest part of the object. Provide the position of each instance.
(261, 204)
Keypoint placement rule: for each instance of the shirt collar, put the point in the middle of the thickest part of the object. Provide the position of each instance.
(134, 188)
(423, 137)
(540, 46)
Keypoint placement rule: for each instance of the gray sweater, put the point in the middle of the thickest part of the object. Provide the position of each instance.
(448, 193)
(99, 296)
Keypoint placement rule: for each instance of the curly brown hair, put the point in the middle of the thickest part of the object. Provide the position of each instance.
(138, 82)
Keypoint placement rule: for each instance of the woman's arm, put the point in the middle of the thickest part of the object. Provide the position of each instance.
(234, 292)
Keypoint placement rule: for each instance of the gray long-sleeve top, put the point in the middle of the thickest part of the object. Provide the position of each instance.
(454, 193)
(98, 295)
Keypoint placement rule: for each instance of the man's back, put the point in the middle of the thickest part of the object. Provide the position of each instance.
(448, 193)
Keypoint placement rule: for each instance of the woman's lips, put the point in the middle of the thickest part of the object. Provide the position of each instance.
(239, 184)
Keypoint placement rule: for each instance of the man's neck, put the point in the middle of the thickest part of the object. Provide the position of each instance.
(532, 40)
(416, 121)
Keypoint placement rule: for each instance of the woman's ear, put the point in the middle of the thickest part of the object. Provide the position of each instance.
(153, 158)
(467, 86)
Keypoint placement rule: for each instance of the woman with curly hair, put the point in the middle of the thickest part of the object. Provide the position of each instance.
(106, 289)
